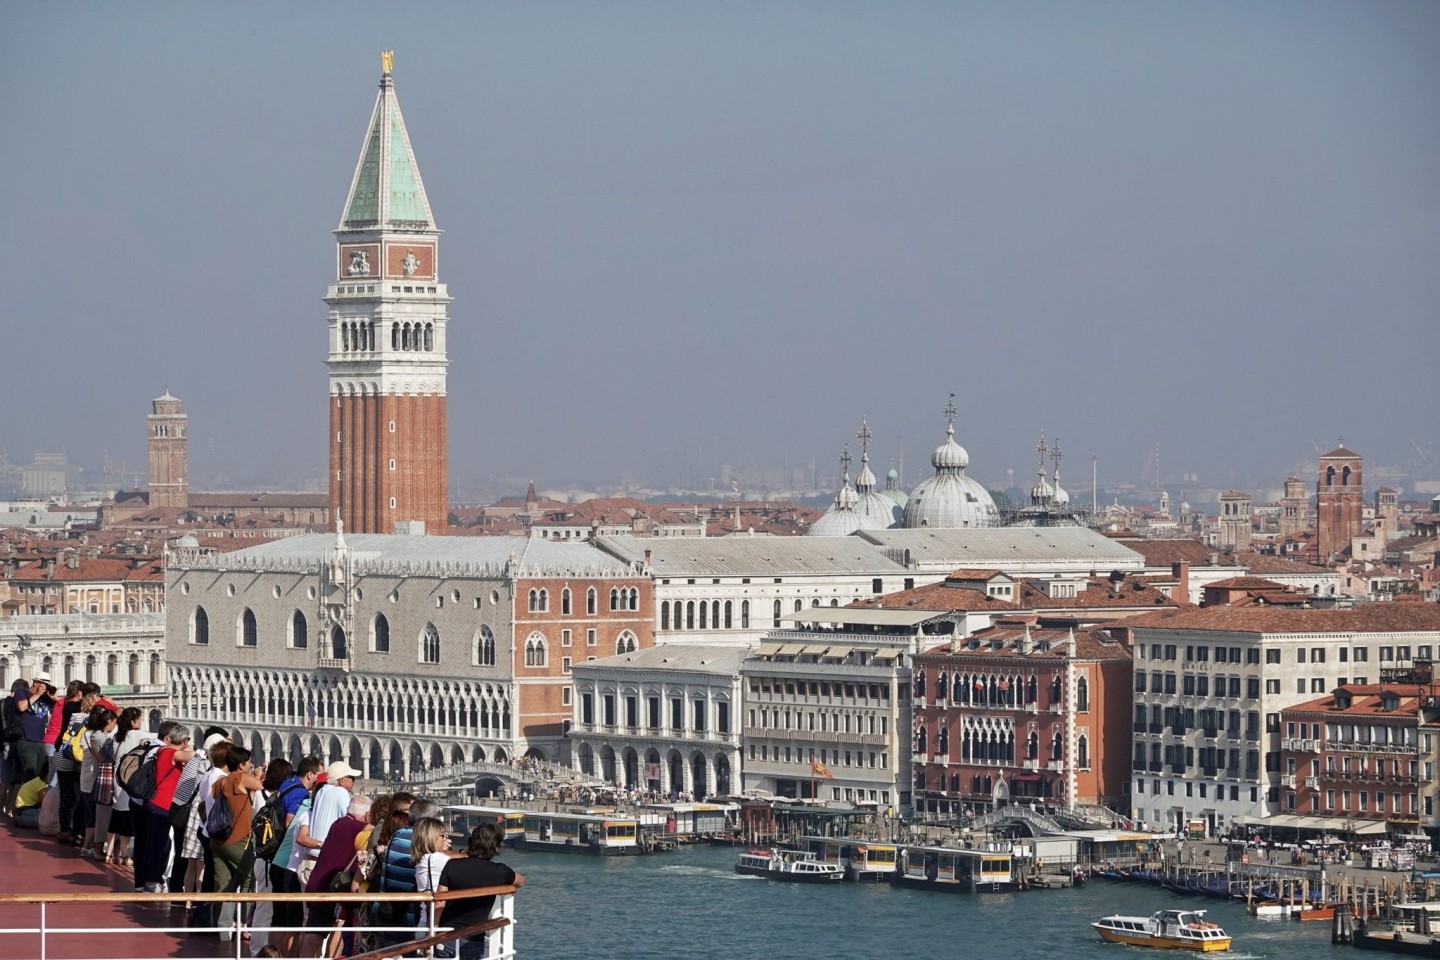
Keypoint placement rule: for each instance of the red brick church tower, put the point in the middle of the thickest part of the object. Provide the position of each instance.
(387, 340)
(1339, 501)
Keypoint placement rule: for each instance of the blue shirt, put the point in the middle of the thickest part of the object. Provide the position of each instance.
(397, 872)
(290, 798)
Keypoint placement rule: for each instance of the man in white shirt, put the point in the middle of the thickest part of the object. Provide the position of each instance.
(332, 802)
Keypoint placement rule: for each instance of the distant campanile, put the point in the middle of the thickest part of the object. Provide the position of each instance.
(387, 340)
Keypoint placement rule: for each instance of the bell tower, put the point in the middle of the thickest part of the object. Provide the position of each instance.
(387, 340)
(169, 453)
(1339, 501)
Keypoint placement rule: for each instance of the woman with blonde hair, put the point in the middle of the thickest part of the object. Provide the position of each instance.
(429, 851)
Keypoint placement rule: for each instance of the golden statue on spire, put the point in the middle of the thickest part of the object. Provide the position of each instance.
(387, 61)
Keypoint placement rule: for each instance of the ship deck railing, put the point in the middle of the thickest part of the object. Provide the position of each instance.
(58, 935)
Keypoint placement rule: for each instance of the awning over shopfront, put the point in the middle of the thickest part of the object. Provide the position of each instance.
(1338, 825)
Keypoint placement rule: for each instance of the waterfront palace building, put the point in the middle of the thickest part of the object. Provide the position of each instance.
(664, 718)
(397, 653)
(1211, 685)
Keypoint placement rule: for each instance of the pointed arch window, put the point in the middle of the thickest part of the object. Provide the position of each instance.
(591, 601)
(1055, 747)
(919, 684)
(942, 744)
(299, 631)
(485, 648)
(1032, 746)
(1082, 753)
(921, 740)
(380, 634)
(249, 631)
(565, 602)
(1082, 694)
(430, 644)
(339, 647)
(535, 654)
(614, 599)
(625, 643)
(200, 627)
(634, 599)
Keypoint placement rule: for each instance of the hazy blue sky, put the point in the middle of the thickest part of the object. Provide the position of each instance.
(686, 234)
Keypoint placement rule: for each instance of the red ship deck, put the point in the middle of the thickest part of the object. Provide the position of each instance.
(31, 864)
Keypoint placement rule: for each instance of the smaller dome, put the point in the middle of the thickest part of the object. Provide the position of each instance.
(1061, 496)
(893, 474)
(950, 455)
(187, 541)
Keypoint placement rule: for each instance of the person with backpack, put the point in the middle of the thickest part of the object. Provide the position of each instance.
(229, 823)
(128, 736)
(33, 711)
(99, 727)
(152, 823)
(186, 866)
(10, 732)
(66, 766)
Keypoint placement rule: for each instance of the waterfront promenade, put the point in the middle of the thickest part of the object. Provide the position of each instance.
(31, 864)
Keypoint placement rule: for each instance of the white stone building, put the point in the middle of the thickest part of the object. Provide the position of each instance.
(664, 719)
(828, 711)
(123, 652)
(399, 654)
(1210, 684)
(732, 590)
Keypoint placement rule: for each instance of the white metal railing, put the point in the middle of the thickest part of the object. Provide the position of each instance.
(57, 940)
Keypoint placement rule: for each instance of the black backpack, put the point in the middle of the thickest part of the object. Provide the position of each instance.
(135, 772)
(9, 721)
(268, 827)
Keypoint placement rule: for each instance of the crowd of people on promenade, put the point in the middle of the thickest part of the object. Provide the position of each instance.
(188, 818)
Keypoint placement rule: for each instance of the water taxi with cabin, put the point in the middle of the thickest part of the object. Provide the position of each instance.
(790, 866)
(1167, 929)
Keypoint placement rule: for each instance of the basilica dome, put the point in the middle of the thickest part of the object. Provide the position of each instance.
(842, 519)
(950, 499)
(876, 511)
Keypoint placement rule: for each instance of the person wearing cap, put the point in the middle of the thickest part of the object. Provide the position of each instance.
(33, 712)
(332, 801)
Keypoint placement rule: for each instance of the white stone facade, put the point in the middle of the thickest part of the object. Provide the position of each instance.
(123, 652)
(664, 719)
(1205, 705)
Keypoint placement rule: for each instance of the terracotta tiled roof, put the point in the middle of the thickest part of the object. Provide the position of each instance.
(1366, 618)
(1246, 583)
(1365, 700)
(968, 573)
(1046, 643)
(1263, 565)
(1162, 553)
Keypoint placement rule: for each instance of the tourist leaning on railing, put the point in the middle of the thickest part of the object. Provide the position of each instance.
(477, 869)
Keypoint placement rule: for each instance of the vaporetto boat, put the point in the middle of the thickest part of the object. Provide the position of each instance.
(789, 866)
(1166, 929)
